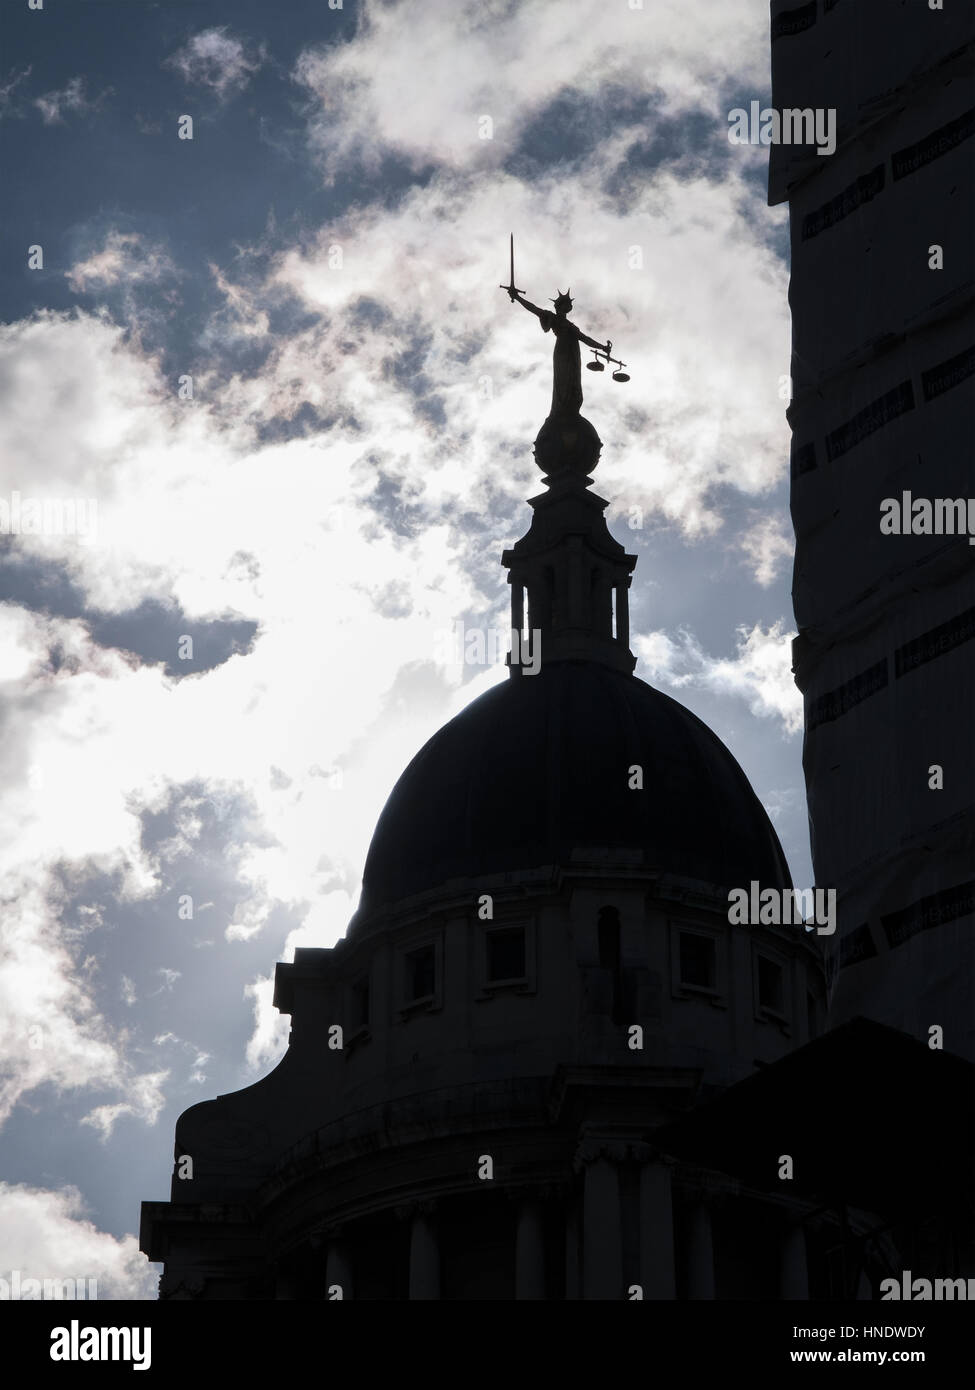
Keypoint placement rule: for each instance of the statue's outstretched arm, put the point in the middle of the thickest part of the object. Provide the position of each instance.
(591, 342)
(526, 304)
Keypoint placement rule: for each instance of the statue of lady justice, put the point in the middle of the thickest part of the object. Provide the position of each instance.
(564, 415)
(566, 363)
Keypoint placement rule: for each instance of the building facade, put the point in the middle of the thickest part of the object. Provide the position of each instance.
(541, 973)
(883, 412)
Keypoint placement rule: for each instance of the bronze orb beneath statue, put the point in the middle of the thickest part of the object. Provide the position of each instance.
(567, 444)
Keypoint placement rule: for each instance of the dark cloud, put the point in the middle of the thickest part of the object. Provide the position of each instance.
(391, 508)
(151, 631)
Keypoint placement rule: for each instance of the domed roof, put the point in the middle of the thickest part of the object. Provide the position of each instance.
(539, 766)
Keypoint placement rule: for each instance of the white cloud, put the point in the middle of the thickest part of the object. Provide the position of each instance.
(70, 98)
(124, 257)
(179, 497)
(216, 59)
(768, 542)
(145, 1101)
(196, 1075)
(270, 1034)
(418, 79)
(759, 673)
(45, 1234)
(50, 1031)
(784, 801)
(8, 105)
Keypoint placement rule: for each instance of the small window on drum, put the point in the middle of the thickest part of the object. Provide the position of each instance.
(698, 961)
(421, 974)
(771, 994)
(360, 1002)
(506, 954)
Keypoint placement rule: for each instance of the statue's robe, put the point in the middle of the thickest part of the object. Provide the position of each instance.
(566, 364)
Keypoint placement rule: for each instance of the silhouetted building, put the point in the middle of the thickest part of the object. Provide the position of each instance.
(541, 971)
(883, 356)
(877, 1115)
(878, 1119)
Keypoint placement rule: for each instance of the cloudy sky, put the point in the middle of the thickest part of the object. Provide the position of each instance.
(269, 375)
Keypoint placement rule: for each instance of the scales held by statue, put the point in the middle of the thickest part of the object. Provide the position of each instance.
(567, 442)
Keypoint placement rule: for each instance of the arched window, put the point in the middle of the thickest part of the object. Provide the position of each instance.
(608, 937)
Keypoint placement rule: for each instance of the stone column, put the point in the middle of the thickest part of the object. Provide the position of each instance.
(602, 1240)
(700, 1252)
(518, 607)
(573, 1274)
(656, 1231)
(338, 1270)
(793, 1271)
(601, 598)
(424, 1254)
(529, 1250)
(623, 612)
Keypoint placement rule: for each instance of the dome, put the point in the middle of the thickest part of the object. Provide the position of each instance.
(539, 766)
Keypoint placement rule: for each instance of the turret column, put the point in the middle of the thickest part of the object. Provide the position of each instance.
(424, 1254)
(602, 1234)
(529, 1250)
(338, 1270)
(793, 1273)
